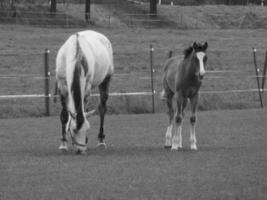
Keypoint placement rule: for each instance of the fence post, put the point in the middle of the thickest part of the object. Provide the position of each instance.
(46, 83)
(152, 70)
(264, 72)
(257, 75)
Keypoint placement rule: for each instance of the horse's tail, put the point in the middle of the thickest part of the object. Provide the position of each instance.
(162, 94)
(78, 48)
(76, 84)
(79, 56)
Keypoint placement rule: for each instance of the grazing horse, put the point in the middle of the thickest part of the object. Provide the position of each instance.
(83, 62)
(182, 81)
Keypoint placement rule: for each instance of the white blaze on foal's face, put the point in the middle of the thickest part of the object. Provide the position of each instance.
(200, 57)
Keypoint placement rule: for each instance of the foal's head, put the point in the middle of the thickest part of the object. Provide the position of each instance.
(198, 58)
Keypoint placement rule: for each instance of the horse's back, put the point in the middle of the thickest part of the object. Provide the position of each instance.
(63, 54)
(98, 53)
(102, 51)
(64, 59)
(100, 45)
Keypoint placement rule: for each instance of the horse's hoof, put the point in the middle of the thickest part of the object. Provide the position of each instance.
(176, 148)
(63, 148)
(102, 145)
(81, 152)
(167, 147)
(193, 148)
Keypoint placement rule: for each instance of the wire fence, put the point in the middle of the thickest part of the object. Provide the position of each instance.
(175, 18)
(150, 75)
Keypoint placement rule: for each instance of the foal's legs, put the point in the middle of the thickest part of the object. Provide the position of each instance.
(177, 136)
(168, 136)
(193, 140)
(64, 117)
(103, 90)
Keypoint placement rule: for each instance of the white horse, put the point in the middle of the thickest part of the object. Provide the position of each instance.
(83, 62)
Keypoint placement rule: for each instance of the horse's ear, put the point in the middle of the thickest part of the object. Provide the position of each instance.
(205, 46)
(195, 46)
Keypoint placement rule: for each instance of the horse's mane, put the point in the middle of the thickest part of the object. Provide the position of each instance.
(188, 51)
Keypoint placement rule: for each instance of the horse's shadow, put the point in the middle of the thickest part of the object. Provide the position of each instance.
(134, 151)
(118, 151)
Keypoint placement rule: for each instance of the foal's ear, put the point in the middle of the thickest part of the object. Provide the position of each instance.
(195, 46)
(205, 46)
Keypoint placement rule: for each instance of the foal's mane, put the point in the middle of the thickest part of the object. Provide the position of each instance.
(187, 52)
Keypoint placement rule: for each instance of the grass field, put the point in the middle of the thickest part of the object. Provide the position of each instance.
(228, 50)
(231, 162)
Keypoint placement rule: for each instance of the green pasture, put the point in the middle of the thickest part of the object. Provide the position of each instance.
(229, 165)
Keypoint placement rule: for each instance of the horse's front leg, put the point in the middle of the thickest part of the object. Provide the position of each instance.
(168, 135)
(193, 140)
(103, 90)
(177, 135)
(64, 117)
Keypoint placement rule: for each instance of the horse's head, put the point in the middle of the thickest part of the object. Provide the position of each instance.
(78, 127)
(200, 57)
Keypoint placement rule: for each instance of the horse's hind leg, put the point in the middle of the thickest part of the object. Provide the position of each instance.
(64, 117)
(168, 136)
(103, 90)
(193, 140)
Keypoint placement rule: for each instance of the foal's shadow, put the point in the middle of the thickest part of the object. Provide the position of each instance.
(136, 151)
(126, 151)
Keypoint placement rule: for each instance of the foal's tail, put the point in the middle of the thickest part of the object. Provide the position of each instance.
(162, 95)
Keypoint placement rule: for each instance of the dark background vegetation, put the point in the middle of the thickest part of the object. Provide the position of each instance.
(201, 2)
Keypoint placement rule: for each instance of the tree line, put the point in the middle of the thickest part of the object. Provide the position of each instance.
(201, 2)
(152, 8)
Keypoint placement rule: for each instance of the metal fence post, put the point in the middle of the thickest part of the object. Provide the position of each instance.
(46, 82)
(152, 70)
(257, 75)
